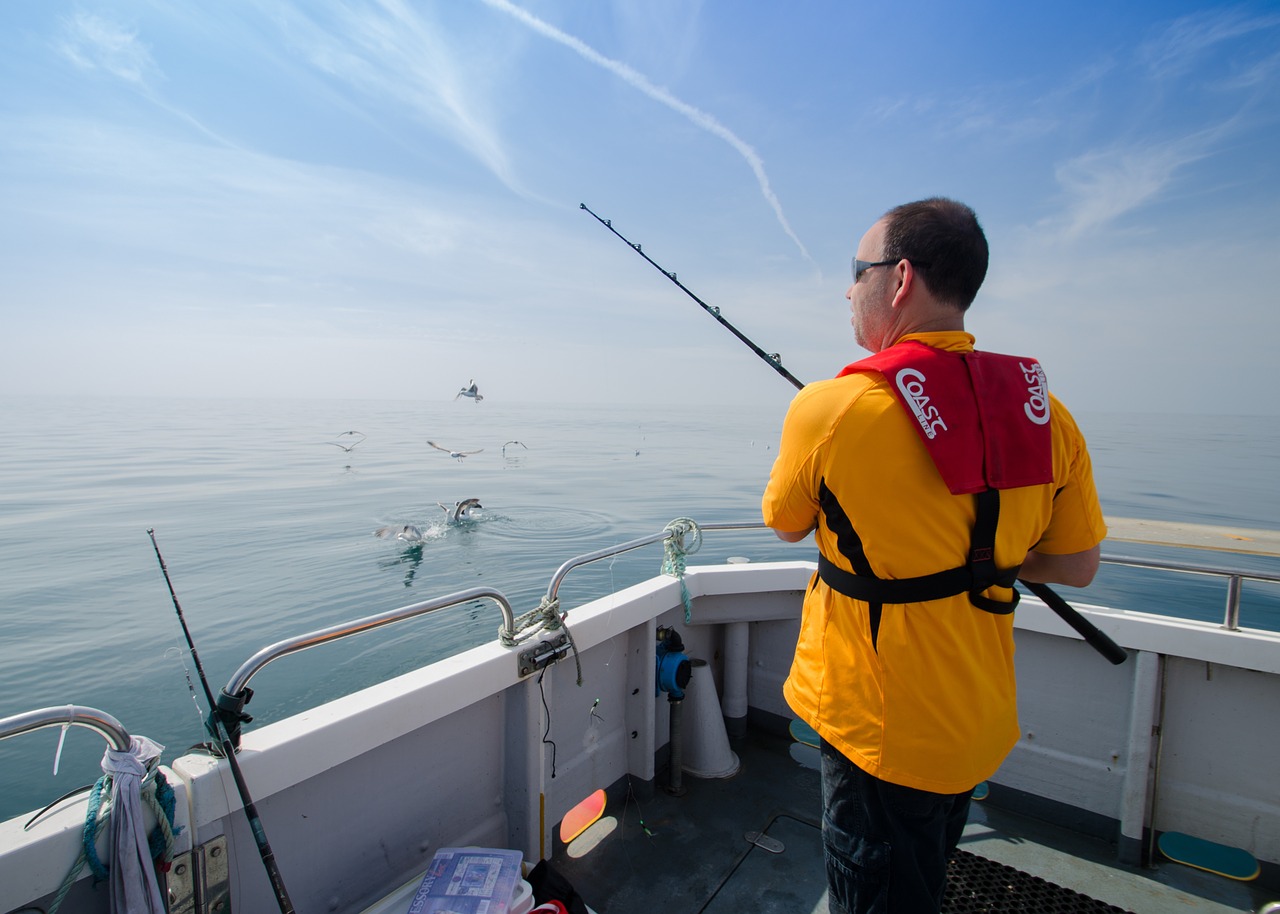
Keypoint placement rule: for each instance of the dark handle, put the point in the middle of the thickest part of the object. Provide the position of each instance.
(1100, 640)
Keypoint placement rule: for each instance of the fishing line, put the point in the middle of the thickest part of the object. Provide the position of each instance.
(177, 652)
(1095, 637)
(218, 730)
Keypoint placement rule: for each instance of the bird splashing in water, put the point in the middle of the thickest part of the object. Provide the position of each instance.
(461, 510)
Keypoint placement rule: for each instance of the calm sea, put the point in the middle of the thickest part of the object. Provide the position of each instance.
(267, 530)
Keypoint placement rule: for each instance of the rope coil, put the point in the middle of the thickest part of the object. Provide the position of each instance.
(674, 549)
(159, 797)
(545, 618)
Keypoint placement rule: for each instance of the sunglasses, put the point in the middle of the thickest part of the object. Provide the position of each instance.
(861, 266)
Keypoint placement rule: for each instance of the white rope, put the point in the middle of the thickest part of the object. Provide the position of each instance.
(546, 618)
(675, 548)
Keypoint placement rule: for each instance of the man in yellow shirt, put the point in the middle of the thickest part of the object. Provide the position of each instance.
(932, 476)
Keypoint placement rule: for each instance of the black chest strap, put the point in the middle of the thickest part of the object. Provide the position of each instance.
(974, 577)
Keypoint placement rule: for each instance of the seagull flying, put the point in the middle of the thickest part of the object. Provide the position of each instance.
(521, 443)
(350, 442)
(457, 455)
(461, 510)
(470, 391)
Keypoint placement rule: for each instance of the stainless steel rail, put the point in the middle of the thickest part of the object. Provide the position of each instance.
(610, 551)
(1235, 579)
(100, 722)
(240, 679)
(1235, 576)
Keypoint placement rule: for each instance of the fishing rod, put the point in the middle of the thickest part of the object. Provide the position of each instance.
(1096, 638)
(772, 358)
(218, 730)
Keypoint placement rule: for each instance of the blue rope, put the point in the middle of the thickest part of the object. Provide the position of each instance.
(91, 825)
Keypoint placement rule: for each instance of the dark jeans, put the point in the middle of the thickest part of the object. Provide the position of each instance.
(886, 845)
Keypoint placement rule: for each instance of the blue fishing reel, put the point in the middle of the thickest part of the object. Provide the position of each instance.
(673, 667)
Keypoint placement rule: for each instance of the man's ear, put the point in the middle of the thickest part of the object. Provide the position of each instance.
(904, 274)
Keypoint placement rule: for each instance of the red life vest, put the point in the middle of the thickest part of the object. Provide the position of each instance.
(983, 416)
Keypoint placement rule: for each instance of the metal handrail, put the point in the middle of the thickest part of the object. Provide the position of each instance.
(608, 552)
(99, 722)
(240, 679)
(1235, 578)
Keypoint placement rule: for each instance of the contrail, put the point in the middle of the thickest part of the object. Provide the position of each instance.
(699, 118)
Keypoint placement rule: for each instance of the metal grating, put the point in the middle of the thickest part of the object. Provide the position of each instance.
(976, 885)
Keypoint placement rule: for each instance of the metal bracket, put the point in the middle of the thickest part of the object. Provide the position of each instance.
(764, 842)
(541, 655)
(180, 882)
(200, 882)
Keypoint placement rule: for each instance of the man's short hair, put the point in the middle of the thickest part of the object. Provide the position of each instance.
(945, 244)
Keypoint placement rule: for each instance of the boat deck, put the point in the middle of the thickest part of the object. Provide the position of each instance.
(690, 854)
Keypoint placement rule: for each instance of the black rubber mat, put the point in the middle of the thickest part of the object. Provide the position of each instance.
(976, 885)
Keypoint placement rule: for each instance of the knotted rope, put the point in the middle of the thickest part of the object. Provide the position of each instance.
(159, 797)
(675, 549)
(545, 618)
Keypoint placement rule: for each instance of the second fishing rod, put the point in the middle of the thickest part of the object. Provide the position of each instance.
(217, 729)
(1095, 637)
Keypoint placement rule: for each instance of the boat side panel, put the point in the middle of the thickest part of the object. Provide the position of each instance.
(344, 834)
(1226, 796)
(1074, 746)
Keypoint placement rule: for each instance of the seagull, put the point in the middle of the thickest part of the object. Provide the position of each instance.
(470, 391)
(521, 443)
(349, 444)
(407, 532)
(457, 455)
(461, 510)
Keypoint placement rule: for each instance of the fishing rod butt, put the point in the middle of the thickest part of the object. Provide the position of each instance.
(1095, 637)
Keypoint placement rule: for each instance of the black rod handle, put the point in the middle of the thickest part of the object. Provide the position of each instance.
(1099, 640)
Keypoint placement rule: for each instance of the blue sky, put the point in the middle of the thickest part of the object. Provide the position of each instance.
(380, 199)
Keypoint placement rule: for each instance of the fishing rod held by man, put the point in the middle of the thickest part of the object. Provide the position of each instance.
(771, 358)
(1098, 639)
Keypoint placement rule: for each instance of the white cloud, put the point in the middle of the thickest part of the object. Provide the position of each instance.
(699, 118)
(1184, 42)
(394, 53)
(94, 43)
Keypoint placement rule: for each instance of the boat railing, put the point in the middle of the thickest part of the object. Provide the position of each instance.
(236, 693)
(1235, 579)
(100, 722)
(676, 529)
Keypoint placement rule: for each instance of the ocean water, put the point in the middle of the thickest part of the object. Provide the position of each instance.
(267, 529)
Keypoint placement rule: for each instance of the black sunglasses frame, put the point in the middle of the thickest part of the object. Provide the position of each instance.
(861, 266)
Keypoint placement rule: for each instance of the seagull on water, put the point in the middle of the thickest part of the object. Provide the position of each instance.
(470, 391)
(407, 532)
(509, 443)
(351, 440)
(456, 455)
(461, 510)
